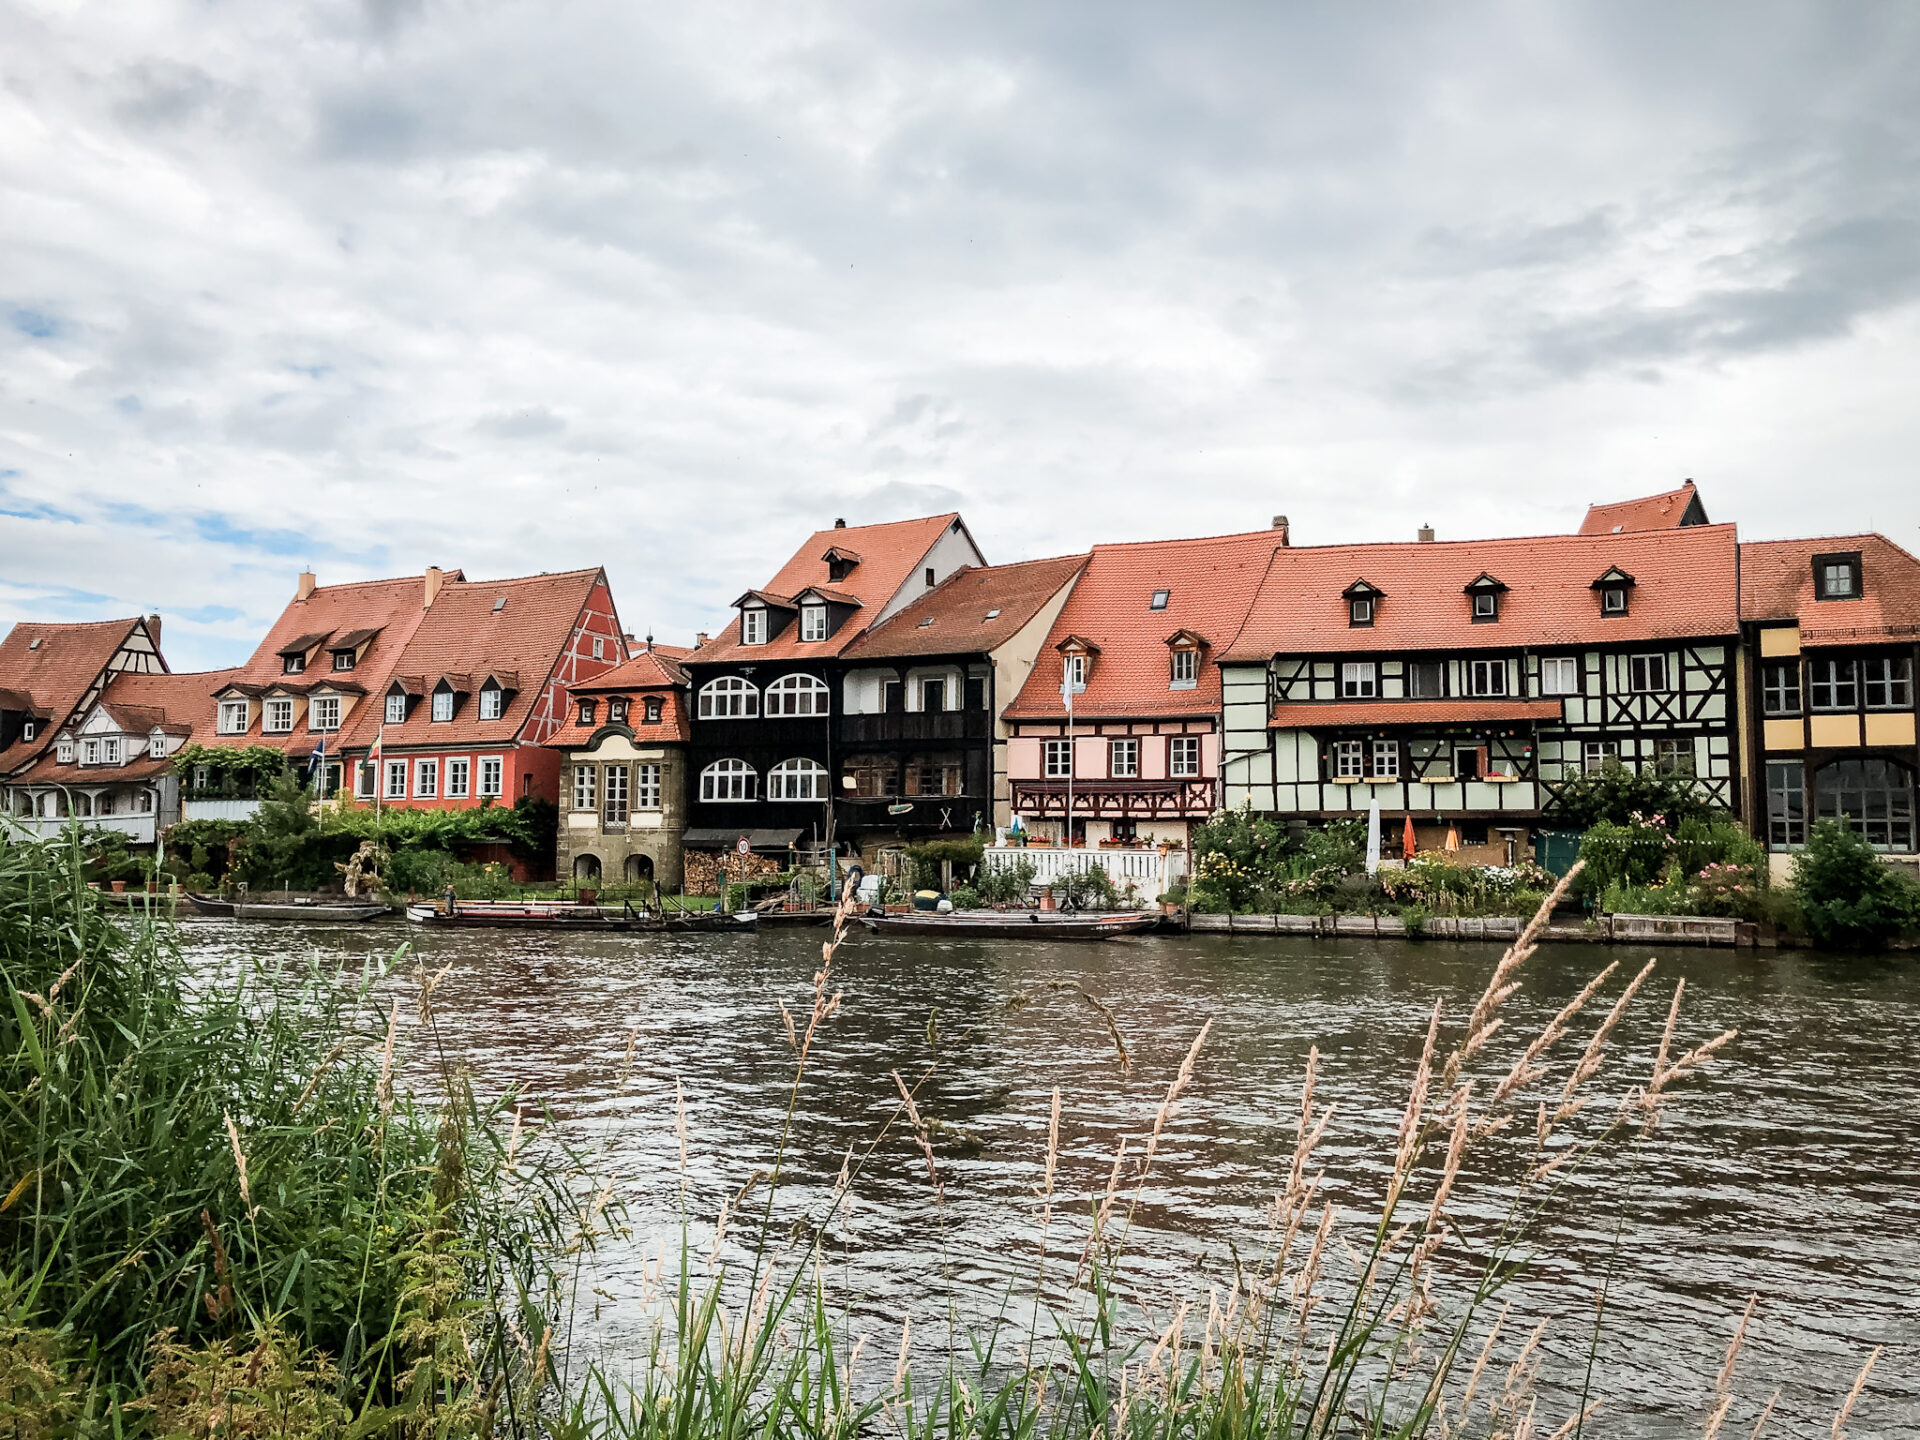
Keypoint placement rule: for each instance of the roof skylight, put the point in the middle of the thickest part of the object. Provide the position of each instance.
(993, 614)
(1159, 600)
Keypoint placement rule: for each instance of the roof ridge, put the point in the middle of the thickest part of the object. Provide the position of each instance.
(1666, 535)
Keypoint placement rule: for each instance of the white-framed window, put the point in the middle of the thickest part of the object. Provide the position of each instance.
(110, 750)
(586, 780)
(614, 811)
(1360, 610)
(491, 771)
(1076, 672)
(599, 647)
(797, 779)
(646, 787)
(63, 751)
(426, 779)
(753, 626)
(459, 775)
(1183, 757)
(1560, 675)
(729, 780)
(1359, 680)
(156, 745)
(344, 660)
(396, 708)
(1186, 669)
(1057, 758)
(279, 718)
(27, 730)
(813, 622)
(293, 664)
(1594, 754)
(588, 709)
(443, 704)
(1486, 605)
(1613, 600)
(651, 710)
(396, 779)
(235, 716)
(1486, 677)
(323, 712)
(363, 780)
(203, 777)
(1158, 600)
(729, 698)
(146, 802)
(90, 752)
(1123, 759)
(617, 710)
(1647, 674)
(1836, 580)
(797, 695)
(491, 702)
(1349, 759)
(1386, 759)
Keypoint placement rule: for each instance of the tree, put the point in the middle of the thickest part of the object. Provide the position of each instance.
(1616, 794)
(1851, 898)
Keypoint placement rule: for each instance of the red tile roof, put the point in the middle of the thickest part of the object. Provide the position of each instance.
(972, 611)
(468, 636)
(56, 673)
(393, 607)
(1777, 583)
(181, 705)
(1210, 583)
(1651, 512)
(1302, 716)
(889, 555)
(1684, 585)
(652, 673)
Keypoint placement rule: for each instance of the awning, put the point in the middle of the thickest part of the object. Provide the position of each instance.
(728, 838)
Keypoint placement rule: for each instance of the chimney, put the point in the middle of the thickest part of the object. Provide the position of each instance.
(1426, 534)
(307, 583)
(153, 630)
(1280, 524)
(700, 641)
(839, 524)
(434, 578)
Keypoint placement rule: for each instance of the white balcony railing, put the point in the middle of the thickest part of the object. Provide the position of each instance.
(219, 809)
(137, 828)
(1151, 872)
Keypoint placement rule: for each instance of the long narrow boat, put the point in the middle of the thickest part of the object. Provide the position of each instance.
(480, 915)
(314, 910)
(210, 904)
(1014, 925)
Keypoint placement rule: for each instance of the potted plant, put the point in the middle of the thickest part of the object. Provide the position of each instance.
(1172, 901)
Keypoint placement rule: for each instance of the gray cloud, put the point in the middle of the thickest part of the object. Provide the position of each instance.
(519, 287)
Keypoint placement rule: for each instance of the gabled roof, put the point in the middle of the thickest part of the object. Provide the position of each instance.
(828, 593)
(652, 674)
(1668, 511)
(467, 636)
(1776, 583)
(1209, 582)
(890, 554)
(180, 706)
(973, 611)
(56, 665)
(655, 669)
(1685, 586)
(301, 644)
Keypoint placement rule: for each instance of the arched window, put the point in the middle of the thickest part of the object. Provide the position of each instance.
(1872, 797)
(728, 780)
(729, 698)
(798, 779)
(796, 695)
(82, 803)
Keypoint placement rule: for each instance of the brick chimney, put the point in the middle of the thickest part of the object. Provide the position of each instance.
(839, 524)
(1280, 524)
(153, 630)
(434, 578)
(307, 583)
(700, 640)
(1426, 534)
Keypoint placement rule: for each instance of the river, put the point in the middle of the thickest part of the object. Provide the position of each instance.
(1790, 1169)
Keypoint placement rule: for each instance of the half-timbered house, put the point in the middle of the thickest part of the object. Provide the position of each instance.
(1832, 639)
(1460, 683)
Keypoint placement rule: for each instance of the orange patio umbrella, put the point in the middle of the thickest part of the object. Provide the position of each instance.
(1406, 841)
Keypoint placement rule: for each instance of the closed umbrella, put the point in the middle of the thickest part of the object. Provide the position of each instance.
(1406, 841)
(1453, 841)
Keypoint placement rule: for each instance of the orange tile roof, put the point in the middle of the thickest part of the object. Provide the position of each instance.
(181, 705)
(56, 673)
(889, 554)
(1668, 511)
(464, 635)
(974, 610)
(393, 607)
(1306, 715)
(1684, 585)
(1776, 583)
(1210, 583)
(655, 672)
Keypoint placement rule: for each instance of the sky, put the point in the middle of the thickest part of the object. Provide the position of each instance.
(521, 287)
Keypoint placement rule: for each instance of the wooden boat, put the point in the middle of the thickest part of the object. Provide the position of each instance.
(707, 920)
(210, 904)
(308, 910)
(1015, 924)
(532, 915)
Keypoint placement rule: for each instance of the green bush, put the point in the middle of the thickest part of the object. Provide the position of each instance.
(1414, 918)
(1849, 897)
(966, 898)
(1007, 884)
(1616, 794)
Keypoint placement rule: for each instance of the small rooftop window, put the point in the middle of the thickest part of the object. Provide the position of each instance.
(926, 622)
(499, 604)
(993, 614)
(33, 644)
(1159, 600)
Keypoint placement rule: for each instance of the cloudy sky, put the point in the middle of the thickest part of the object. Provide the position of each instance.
(522, 287)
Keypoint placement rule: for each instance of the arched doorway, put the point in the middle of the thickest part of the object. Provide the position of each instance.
(639, 867)
(586, 867)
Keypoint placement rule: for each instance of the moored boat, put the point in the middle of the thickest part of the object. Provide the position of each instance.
(1015, 924)
(209, 904)
(483, 915)
(310, 910)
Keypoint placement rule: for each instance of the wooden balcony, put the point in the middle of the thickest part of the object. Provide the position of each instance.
(1193, 799)
(915, 727)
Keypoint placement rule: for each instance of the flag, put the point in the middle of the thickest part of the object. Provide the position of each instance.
(373, 750)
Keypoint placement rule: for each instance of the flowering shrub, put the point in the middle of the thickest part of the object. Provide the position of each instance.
(1737, 890)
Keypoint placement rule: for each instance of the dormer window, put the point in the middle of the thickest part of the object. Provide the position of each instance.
(1485, 593)
(64, 751)
(492, 702)
(443, 703)
(840, 564)
(292, 664)
(617, 711)
(1613, 600)
(234, 717)
(90, 752)
(278, 719)
(1360, 612)
(27, 730)
(157, 744)
(753, 626)
(587, 712)
(396, 708)
(813, 622)
(344, 660)
(1361, 599)
(652, 710)
(1837, 577)
(1186, 669)
(1076, 674)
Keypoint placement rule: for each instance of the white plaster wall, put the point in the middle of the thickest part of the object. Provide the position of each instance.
(949, 553)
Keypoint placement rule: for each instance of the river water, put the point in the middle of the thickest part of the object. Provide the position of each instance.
(1790, 1170)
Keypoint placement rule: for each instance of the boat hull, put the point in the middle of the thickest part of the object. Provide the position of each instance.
(530, 917)
(210, 904)
(242, 911)
(998, 925)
